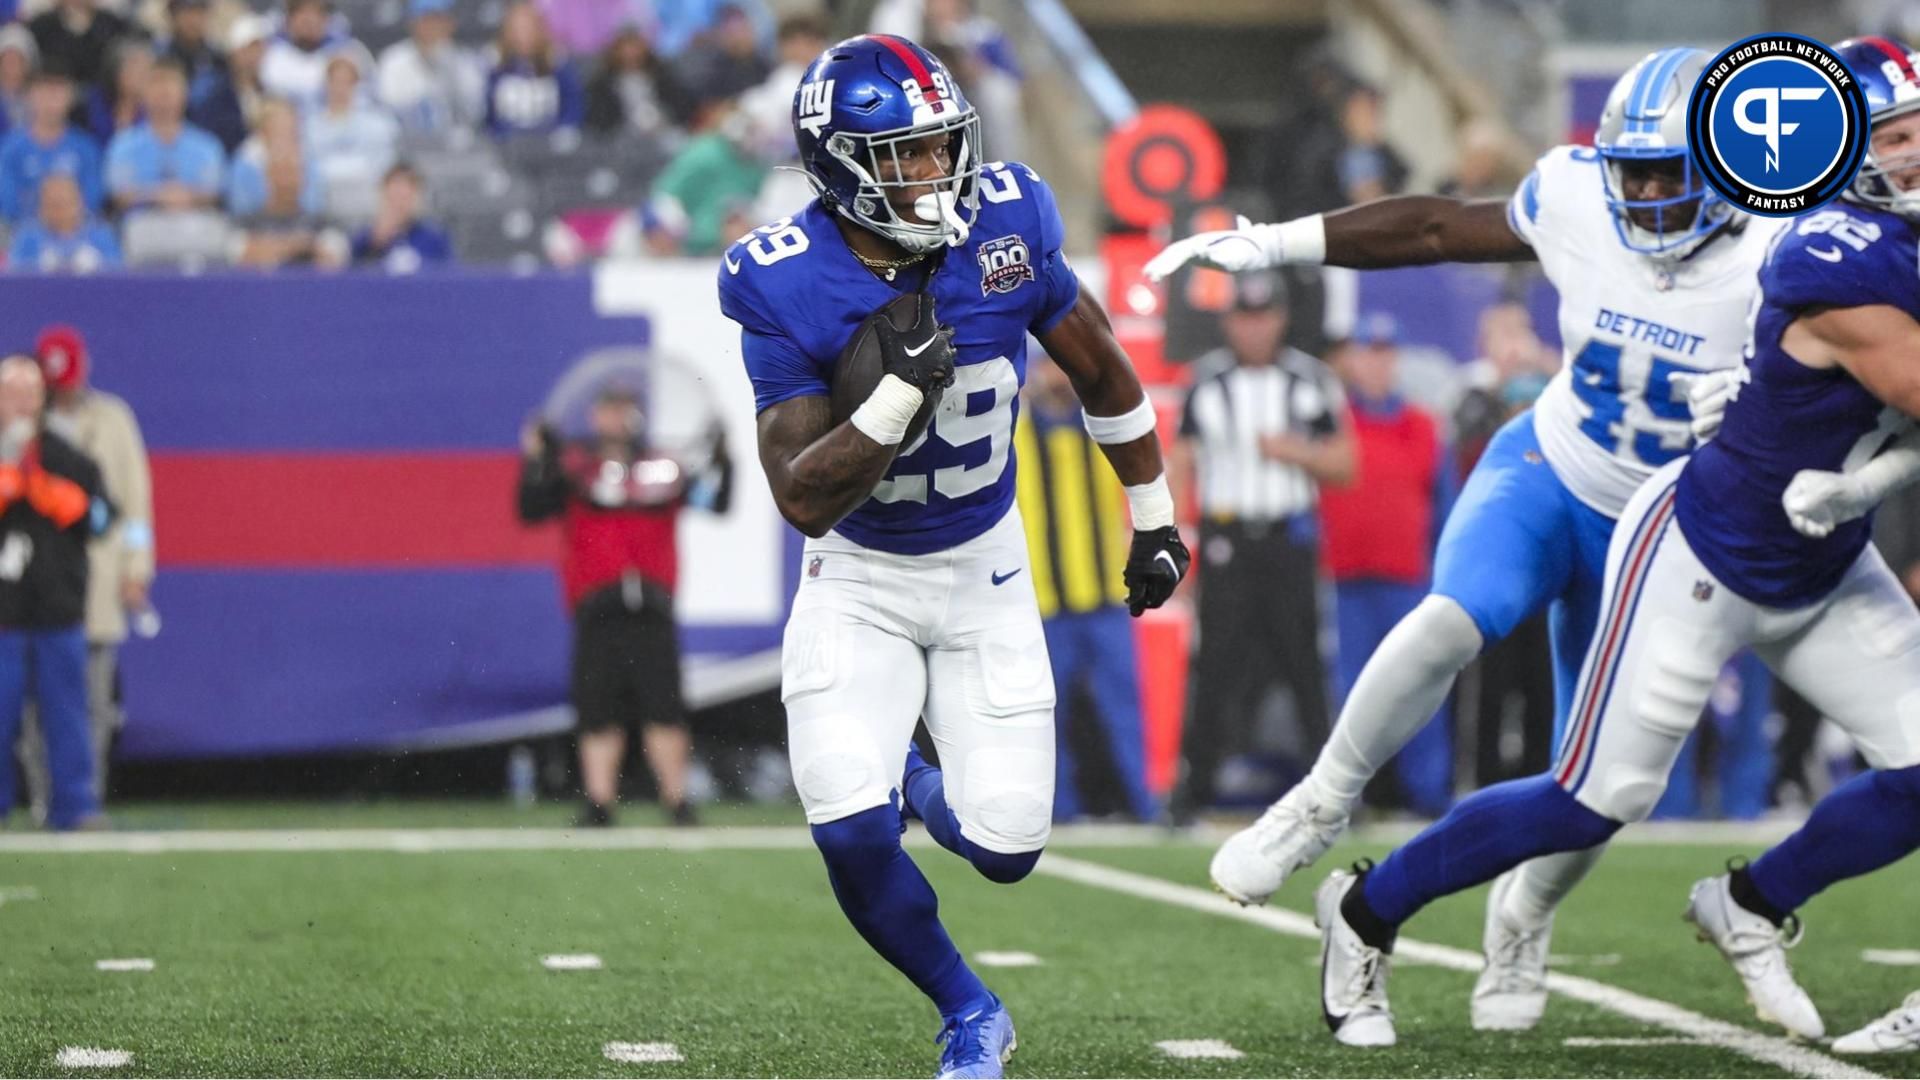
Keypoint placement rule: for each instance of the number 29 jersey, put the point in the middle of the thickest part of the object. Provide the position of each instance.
(798, 294)
(1611, 417)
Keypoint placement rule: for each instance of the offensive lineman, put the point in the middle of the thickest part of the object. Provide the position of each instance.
(1655, 274)
(913, 600)
(1717, 553)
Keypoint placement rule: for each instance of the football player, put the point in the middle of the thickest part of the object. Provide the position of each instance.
(913, 601)
(1707, 560)
(1655, 274)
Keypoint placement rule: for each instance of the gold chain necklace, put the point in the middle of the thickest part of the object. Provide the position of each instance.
(886, 267)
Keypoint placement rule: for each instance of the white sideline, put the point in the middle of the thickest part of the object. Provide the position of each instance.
(1772, 1050)
(771, 837)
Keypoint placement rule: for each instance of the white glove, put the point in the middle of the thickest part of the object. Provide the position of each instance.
(1245, 247)
(1818, 500)
(1707, 394)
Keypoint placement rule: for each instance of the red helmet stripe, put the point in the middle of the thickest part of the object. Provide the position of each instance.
(1896, 54)
(915, 66)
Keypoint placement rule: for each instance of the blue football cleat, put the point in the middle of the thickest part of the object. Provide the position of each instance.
(978, 1044)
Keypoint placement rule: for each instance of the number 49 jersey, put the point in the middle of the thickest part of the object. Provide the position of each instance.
(1612, 416)
(798, 294)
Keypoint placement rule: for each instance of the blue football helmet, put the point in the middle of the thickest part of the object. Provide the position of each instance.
(857, 106)
(1887, 73)
(1646, 121)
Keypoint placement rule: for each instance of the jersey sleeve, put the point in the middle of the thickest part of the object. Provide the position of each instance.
(778, 367)
(1059, 285)
(1537, 212)
(1837, 258)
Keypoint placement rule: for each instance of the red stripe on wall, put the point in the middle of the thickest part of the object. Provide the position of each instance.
(387, 510)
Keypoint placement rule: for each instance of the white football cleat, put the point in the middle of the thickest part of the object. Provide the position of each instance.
(1292, 835)
(1898, 1032)
(1353, 974)
(1757, 949)
(1511, 993)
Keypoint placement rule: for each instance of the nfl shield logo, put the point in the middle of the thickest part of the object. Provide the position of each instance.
(1703, 591)
(813, 566)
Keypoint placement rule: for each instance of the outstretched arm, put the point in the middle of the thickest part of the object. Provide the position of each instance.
(1122, 420)
(1404, 230)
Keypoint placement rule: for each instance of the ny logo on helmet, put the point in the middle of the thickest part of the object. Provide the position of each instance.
(816, 105)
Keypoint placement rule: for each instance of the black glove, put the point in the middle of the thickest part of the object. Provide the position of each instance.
(922, 355)
(1155, 566)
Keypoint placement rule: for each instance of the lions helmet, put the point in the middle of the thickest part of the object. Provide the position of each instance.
(857, 106)
(1646, 120)
(1886, 70)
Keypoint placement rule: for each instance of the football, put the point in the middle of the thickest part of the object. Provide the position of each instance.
(858, 370)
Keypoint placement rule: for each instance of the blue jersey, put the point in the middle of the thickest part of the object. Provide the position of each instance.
(1790, 417)
(798, 294)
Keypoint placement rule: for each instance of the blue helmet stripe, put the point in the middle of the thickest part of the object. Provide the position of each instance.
(1651, 84)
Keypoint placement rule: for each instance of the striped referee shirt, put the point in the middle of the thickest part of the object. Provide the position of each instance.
(1228, 411)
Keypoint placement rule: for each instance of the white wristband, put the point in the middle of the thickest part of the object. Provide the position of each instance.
(1300, 242)
(884, 416)
(1130, 425)
(1151, 503)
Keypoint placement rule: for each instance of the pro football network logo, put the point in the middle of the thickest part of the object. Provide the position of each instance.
(1777, 124)
(1004, 264)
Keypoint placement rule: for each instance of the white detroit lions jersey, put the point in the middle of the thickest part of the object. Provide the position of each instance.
(1611, 417)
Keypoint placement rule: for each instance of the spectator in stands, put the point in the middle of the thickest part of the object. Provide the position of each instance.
(1263, 430)
(430, 81)
(982, 59)
(589, 27)
(1380, 536)
(232, 106)
(1368, 167)
(684, 23)
(189, 41)
(45, 146)
(399, 241)
(63, 238)
(619, 499)
(285, 231)
(120, 563)
(701, 199)
(121, 102)
(19, 57)
(51, 506)
(165, 163)
(532, 88)
(278, 137)
(295, 66)
(726, 61)
(1077, 533)
(798, 43)
(74, 36)
(1510, 372)
(353, 141)
(1476, 172)
(633, 92)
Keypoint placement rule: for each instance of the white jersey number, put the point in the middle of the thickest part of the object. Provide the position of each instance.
(953, 425)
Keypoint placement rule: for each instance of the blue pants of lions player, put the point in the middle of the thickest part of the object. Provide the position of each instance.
(1667, 629)
(52, 666)
(1517, 541)
(876, 642)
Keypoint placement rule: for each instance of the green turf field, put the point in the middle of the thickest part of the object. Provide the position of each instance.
(424, 962)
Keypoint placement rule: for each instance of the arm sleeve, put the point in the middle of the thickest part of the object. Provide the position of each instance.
(776, 364)
(1523, 209)
(1059, 285)
(543, 489)
(135, 501)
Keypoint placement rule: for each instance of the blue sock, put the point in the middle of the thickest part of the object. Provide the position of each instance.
(889, 902)
(1484, 835)
(1861, 826)
(924, 793)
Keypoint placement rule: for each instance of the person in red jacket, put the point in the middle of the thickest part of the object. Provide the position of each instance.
(618, 501)
(1380, 534)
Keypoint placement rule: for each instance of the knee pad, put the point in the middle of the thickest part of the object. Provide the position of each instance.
(1002, 869)
(1441, 637)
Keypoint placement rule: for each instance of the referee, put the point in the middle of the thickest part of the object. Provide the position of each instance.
(1263, 427)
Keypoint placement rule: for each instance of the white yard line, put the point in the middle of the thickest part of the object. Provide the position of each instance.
(1893, 957)
(91, 1057)
(1772, 1050)
(571, 962)
(1009, 958)
(1200, 1049)
(132, 963)
(644, 1053)
(1657, 1040)
(774, 837)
